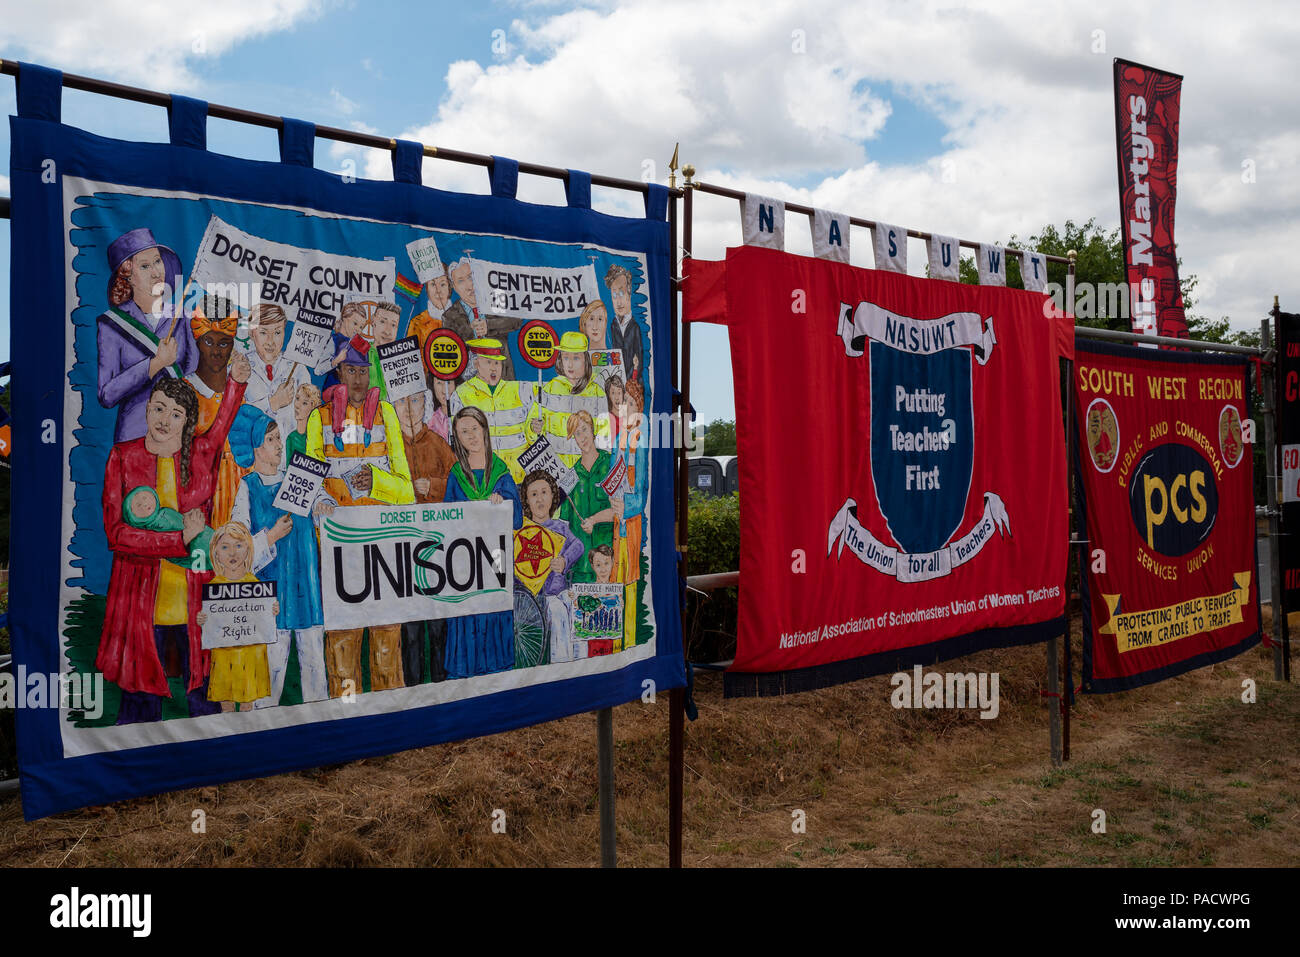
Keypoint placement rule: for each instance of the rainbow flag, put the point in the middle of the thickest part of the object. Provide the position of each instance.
(407, 287)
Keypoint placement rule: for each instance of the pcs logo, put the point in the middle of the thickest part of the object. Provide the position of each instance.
(1173, 499)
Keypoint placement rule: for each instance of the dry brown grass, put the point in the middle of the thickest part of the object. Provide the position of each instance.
(1186, 773)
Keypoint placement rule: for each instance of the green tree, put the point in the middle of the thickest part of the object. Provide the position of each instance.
(1100, 265)
(1101, 261)
(720, 437)
(715, 547)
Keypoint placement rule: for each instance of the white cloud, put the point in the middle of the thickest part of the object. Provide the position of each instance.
(1026, 102)
(342, 103)
(147, 42)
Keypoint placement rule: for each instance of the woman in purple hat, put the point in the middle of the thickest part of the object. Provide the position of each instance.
(138, 340)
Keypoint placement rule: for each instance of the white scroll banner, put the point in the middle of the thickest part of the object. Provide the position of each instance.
(265, 271)
(846, 530)
(533, 292)
(917, 336)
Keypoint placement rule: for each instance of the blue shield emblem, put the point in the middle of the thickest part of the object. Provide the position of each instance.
(922, 442)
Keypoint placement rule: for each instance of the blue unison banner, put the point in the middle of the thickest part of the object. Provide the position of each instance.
(287, 491)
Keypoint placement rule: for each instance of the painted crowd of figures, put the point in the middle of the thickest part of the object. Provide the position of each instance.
(210, 410)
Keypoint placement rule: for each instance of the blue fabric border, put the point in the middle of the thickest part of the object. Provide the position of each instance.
(39, 92)
(1104, 348)
(1144, 678)
(52, 783)
(187, 122)
(656, 202)
(504, 177)
(297, 142)
(408, 158)
(577, 189)
(763, 684)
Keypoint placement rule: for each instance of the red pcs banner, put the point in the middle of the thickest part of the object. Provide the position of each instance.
(902, 466)
(1146, 143)
(1166, 479)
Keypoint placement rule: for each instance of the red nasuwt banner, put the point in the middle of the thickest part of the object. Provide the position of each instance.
(1166, 490)
(1146, 144)
(902, 461)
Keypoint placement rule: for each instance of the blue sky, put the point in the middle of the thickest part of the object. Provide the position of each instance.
(854, 107)
(377, 57)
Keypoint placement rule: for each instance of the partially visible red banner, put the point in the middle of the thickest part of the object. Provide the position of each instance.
(902, 466)
(1166, 476)
(1146, 141)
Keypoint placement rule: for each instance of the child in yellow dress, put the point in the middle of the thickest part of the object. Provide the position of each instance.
(242, 675)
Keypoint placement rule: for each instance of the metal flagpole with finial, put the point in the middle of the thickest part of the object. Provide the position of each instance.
(1271, 340)
(677, 696)
(1277, 404)
(1076, 540)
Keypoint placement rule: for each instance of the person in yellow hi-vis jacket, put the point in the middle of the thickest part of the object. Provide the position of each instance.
(573, 390)
(506, 403)
(386, 481)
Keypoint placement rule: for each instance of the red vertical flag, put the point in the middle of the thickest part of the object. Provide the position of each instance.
(1146, 141)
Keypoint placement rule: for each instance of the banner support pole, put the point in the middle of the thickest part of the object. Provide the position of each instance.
(1067, 693)
(605, 761)
(1056, 701)
(1054, 706)
(1277, 411)
(1269, 409)
(677, 697)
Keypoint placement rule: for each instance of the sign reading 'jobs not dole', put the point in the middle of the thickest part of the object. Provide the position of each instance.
(1165, 473)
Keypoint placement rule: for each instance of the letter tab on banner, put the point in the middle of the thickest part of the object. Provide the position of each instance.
(763, 221)
(1033, 270)
(891, 247)
(830, 235)
(992, 262)
(945, 258)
